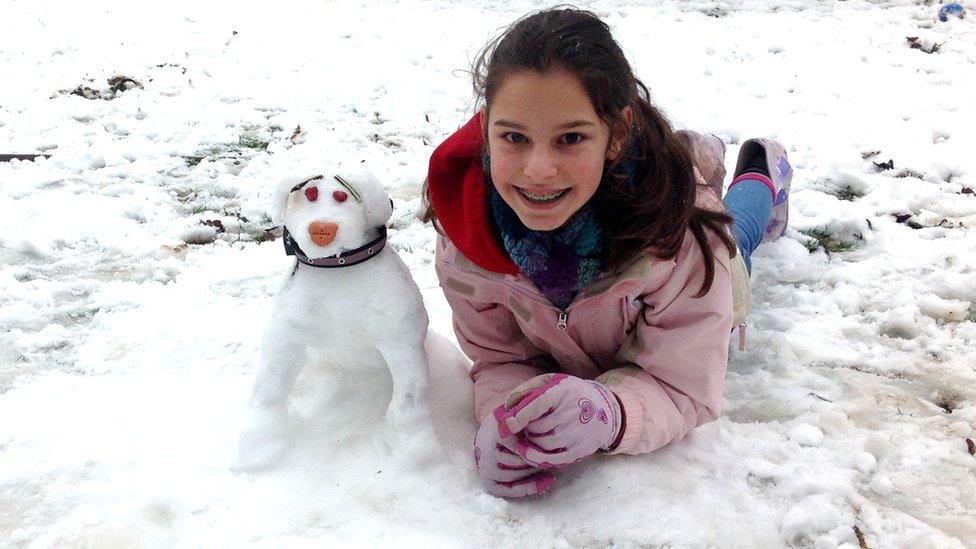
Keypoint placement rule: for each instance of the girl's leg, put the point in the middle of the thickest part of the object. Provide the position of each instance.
(758, 197)
(749, 202)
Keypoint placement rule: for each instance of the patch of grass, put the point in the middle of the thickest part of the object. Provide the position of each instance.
(821, 238)
(223, 148)
(847, 193)
(252, 142)
(231, 150)
(812, 245)
(910, 173)
(715, 11)
(210, 152)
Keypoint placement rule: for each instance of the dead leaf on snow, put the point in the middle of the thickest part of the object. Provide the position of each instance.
(882, 166)
(916, 44)
(121, 83)
(215, 223)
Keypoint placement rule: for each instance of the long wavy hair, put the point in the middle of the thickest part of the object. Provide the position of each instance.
(647, 211)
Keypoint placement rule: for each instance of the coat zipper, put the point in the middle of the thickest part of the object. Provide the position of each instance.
(563, 320)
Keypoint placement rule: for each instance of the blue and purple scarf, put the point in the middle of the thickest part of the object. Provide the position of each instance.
(560, 262)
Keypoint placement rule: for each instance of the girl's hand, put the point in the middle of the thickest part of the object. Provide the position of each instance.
(502, 472)
(558, 419)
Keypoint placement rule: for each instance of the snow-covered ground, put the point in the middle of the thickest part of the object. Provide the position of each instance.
(126, 354)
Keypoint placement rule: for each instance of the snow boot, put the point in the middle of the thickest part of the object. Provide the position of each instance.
(765, 160)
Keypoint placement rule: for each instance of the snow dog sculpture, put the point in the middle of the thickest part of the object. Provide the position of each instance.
(349, 299)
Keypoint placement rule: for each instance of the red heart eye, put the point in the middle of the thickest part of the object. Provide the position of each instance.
(312, 194)
(340, 196)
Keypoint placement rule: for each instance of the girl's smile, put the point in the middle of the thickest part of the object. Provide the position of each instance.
(548, 146)
(546, 199)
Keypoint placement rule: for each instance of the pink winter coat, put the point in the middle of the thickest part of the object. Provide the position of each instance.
(641, 333)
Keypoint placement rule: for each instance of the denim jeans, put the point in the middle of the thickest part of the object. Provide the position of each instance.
(749, 203)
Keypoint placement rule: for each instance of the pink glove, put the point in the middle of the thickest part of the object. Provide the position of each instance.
(502, 472)
(558, 419)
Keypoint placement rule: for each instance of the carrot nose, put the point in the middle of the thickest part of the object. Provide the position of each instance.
(322, 233)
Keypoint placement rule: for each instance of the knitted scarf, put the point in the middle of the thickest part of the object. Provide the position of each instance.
(559, 262)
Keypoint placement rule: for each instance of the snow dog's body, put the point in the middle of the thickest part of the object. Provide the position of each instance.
(361, 312)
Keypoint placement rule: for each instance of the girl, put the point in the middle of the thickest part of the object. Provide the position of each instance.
(588, 264)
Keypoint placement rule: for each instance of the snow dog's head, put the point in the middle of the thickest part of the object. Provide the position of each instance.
(331, 210)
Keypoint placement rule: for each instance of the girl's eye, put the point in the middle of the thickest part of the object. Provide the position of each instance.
(312, 194)
(515, 137)
(340, 196)
(571, 138)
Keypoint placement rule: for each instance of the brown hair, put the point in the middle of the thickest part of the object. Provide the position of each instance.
(649, 210)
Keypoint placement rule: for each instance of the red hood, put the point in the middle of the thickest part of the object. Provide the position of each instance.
(459, 196)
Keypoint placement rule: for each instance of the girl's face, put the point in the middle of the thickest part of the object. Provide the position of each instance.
(547, 145)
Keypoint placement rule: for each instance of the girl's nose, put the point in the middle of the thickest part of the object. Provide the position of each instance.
(322, 233)
(540, 165)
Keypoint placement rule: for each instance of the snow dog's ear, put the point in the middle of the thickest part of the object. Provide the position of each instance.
(279, 199)
(362, 184)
